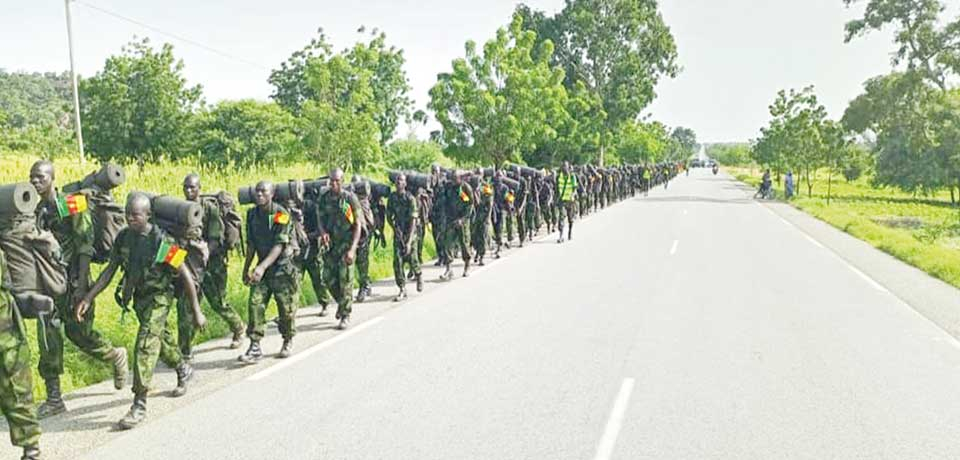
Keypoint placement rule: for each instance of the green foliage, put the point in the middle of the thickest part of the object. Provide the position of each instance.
(639, 142)
(414, 155)
(35, 99)
(244, 133)
(139, 106)
(927, 47)
(735, 154)
(338, 124)
(497, 105)
(686, 141)
(799, 136)
(619, 49)
(380, 65)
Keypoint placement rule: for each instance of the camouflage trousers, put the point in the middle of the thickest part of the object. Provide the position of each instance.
(566, 210)
(338, 276)
(400, 259)
(479, 235)
(497, 223)
(313, 268)
(363, 260)
(213, 287)
(531, 219)
(281, 284)
(509, 216)
(457, 237)
(82, 333)
(438, 240)
(16, 388)
(421, 235)
(522, 224)
(154, 340)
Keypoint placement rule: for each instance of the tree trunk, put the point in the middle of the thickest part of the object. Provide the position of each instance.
(829, 185)
(602, 148)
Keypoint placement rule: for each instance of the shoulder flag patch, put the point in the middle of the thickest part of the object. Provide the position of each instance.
(347, 209)
(510, 197)
(464, 196)
(71, 205)
(281, 218)
(170, 254)
(487, 189)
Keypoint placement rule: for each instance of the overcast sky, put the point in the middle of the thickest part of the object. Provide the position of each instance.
(735, 53)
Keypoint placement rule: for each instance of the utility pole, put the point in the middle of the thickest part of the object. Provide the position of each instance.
(73, 76)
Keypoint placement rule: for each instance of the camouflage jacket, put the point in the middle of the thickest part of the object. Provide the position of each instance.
(402, 213)
(266, 229)
(150, 263)
(338, 215)
(74, 232)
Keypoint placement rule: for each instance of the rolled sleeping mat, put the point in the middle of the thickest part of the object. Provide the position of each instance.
(108, 177)
(489, 172)
(18, 199)
(316, 186)
(527, 171)
(177, 211)
(510, 183)
(378, 190)
(282, 192)
(415, 180)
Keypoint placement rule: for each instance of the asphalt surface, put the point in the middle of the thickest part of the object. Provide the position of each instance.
(692, 323)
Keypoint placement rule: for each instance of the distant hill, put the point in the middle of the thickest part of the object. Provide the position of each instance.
(35, 99)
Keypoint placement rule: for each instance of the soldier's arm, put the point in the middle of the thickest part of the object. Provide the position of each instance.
(281, 238)
(106, 276)
(413, 222)
(356, 229)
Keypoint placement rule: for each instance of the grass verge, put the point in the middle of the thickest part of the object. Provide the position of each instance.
(923, 231)
(80, 370)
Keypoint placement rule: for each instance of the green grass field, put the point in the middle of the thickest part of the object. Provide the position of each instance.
(923, 231)
(167, 178)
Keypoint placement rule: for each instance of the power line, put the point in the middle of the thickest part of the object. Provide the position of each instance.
(171, 35)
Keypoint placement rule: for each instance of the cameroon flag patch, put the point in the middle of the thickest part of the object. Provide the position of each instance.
(347, 209)
(510, 197)
(281, 218)
(71, 205)
(464, 196)
(487, 189)
(171, 254)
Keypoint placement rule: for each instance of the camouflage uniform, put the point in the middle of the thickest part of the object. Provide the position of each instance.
(338, 215)
(313, 257)
(154, 295)
(403, 215)
(521, 203)
(211, 278)
(16, 384)
(480, 226)
(214, 284)
(567, 187)
(362, 191)
(75, 235)
(457, 205)
(264, 231)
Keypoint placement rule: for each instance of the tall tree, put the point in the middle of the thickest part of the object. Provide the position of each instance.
(619, 49)
(338, 125)
(687, 139)
(243, 133)
(496, 105)
(139, 105)
(390, 103)
(926, 47)
(796, 136)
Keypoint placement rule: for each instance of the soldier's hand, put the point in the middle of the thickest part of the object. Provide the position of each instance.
(325, 239)
(350, 256)
(81, 309)
(246, 278)
(257, 274)
(200, 321)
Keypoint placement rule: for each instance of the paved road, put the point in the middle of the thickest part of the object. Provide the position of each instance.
(692, 323)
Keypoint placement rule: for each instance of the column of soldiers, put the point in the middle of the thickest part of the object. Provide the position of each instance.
(321, 233)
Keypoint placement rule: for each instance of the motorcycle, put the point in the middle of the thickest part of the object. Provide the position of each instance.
(715, 169)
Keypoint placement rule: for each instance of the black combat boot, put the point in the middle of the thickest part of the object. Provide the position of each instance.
(118, 359)
(402, 295)
(31, 453)
(323, 310)
(54, 404)
(361, 295)
(253, 353)
(419, 282)
(447, 274)
(184, 375)
(480, 261)
(344, 323)
(137, 413)
(466, 269)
